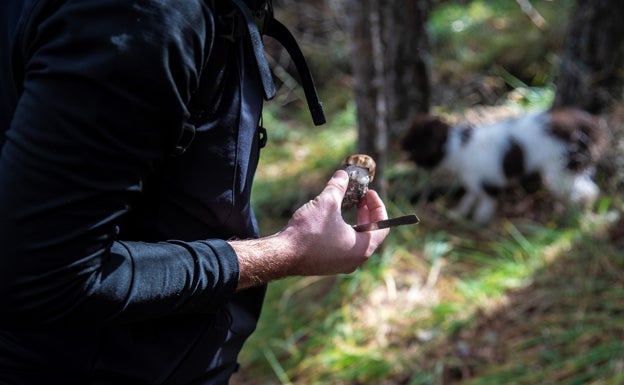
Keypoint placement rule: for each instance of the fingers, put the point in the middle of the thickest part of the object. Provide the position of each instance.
(320, 238)
(372, 209)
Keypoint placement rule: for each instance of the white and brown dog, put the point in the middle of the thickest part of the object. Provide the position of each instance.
(560, 145)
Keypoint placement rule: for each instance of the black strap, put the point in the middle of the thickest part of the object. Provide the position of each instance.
(279, 32)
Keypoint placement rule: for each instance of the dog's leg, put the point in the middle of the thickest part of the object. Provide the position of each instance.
(465, 205)
(485, 209)
(557, 180)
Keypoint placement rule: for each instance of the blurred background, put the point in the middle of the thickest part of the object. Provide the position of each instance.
(535, 297)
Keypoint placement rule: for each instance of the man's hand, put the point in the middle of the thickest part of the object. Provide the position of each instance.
(316, 240)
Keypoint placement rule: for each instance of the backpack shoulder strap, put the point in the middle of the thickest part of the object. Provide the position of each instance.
(279, 32)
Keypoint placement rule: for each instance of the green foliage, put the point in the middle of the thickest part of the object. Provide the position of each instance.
(483, 35)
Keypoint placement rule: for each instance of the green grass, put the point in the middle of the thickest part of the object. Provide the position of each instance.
(521, 301)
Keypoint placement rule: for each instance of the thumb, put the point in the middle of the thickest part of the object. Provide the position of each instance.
(337, 185)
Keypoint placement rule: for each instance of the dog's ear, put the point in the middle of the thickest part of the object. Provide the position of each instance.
(421, 131)
(425, 139)
(585, 133)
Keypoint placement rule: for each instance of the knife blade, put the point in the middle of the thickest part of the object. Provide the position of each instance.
(398, 221)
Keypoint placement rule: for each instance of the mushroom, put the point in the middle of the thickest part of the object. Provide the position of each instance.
(361, 170)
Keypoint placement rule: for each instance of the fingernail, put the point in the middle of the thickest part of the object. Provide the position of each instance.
(340, 174)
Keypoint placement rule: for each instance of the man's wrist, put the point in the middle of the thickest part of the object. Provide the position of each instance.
(263, 260)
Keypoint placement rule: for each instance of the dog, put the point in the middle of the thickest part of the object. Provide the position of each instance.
(560, 146)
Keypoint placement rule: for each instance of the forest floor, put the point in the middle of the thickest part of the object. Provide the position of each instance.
(537, 296)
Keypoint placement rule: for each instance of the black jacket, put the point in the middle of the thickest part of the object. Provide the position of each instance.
(113, 264)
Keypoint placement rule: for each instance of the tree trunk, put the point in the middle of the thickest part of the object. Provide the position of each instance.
(591, 74)
(390, 72)
(406, 56)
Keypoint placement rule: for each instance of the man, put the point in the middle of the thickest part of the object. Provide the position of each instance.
(129, 139)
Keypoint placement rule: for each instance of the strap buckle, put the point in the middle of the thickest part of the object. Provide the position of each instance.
(234, 25)
(263, 136)
(184, 140)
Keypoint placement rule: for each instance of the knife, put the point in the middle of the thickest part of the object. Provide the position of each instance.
(398, 221)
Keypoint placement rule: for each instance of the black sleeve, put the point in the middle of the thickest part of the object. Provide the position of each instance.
(104, 93)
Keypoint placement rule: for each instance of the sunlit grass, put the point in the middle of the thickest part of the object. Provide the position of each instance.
(418, 311)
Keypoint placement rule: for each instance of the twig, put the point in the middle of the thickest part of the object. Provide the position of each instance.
(531, 12)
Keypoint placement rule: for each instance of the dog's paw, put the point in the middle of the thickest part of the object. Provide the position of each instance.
(584, 191)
